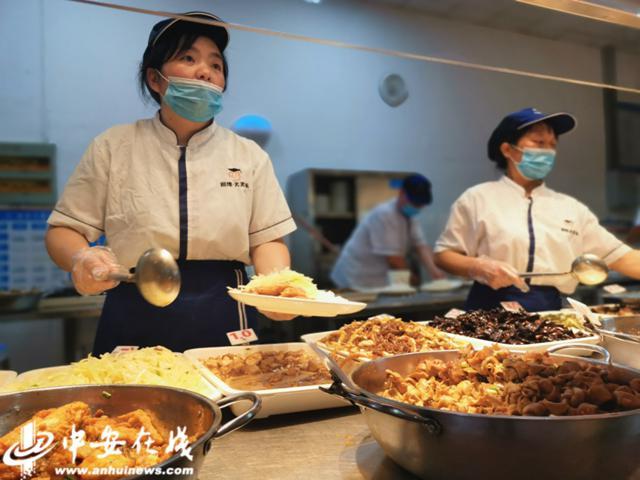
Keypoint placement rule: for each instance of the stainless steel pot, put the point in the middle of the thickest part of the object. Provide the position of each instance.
(174, 407)
(438, 444)
(618, 337)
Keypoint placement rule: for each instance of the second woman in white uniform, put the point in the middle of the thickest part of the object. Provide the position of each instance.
(518, 224)
(181, 182)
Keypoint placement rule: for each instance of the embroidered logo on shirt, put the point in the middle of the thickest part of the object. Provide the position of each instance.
(569, 229)
(234, 174)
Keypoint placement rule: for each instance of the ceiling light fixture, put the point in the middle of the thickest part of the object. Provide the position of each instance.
(620, 12)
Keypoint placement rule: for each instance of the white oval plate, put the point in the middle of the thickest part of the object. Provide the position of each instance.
(327, 307)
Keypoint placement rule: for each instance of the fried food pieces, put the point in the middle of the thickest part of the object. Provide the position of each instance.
(285, 283)
(384, 335)
(495, 381)
(136, 447)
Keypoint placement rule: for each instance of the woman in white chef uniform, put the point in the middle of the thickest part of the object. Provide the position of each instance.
(181, 182)
(518, 224)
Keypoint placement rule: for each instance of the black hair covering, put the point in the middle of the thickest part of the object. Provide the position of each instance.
(164, 44)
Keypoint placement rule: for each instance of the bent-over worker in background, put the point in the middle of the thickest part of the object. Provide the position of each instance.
(518, 224)
(381, 241)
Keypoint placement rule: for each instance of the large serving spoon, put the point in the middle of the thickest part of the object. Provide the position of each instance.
(157, 277)
(588, 269)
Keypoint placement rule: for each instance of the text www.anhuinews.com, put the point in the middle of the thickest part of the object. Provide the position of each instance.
(124, 471)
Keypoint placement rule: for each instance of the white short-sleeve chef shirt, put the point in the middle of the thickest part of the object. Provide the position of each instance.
(493, 219)
(127, 187)
(382, 233)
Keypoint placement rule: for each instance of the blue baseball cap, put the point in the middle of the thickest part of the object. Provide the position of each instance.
(417, 188)
(512, 126)
(219, 34)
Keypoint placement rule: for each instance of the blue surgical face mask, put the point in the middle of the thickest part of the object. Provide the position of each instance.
(536, 163)
(195, 100)
(409, 210)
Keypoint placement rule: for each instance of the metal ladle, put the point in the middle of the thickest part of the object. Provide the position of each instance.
(588, 269)
(157, 277)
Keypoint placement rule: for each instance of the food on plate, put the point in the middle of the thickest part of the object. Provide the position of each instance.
(496, 381)
(617, 309)
(285, 283)
(263, 370)
(503, 326)
(146, 366)
(288, 284)
(90, 449)
(385, 335)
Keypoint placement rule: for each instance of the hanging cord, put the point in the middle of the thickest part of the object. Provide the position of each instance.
(362, 48)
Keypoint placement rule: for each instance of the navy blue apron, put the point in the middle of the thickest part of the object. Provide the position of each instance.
(200, 317)
(539, 298)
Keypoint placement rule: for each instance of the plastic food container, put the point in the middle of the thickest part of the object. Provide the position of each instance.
(314, 338)
(479, 344)
(209, 390)
(532, 347)
(275, 401)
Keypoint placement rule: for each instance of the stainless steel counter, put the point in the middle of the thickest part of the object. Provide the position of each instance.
(326, 444)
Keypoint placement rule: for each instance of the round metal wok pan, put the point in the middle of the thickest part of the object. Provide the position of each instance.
(172, 406)
(438, 444)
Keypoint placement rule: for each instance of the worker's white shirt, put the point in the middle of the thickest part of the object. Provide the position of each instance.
(493, 219)
(382, 233)
(127, 187)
